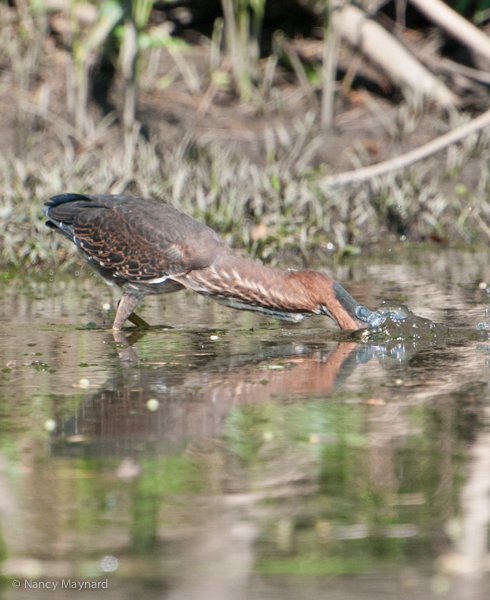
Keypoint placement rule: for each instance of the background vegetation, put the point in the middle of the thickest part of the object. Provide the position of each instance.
(235, 112)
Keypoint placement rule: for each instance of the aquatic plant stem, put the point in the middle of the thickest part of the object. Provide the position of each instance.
(329, 65)
(405, 160)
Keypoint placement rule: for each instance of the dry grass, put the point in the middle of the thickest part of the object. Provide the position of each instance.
(277, 202)
(262, 208)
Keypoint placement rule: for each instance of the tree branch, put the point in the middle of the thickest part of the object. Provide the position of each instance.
(400, 162)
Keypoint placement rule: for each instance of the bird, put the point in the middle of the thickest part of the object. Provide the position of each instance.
(145, 247)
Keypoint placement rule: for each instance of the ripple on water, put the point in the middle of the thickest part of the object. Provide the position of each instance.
(397, 321)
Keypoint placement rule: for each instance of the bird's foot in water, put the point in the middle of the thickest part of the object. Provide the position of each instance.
(138, 321)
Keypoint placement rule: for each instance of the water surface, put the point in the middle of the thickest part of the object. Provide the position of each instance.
(224, 455)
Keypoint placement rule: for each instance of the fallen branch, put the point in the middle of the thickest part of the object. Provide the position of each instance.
(460, 28)
(385, 50)
(400, 162)
(469, 72)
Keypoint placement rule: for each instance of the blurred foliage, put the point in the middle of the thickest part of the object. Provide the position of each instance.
(266, 209)
(349, 518)
(476, 9)
(243, 27)
(350, 524)
(62, 143)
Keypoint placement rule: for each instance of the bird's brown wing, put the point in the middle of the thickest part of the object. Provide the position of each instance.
(137, 239)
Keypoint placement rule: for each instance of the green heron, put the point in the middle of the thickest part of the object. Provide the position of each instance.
(148, 247)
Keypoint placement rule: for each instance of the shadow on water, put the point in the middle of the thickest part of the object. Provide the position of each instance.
(232, 458)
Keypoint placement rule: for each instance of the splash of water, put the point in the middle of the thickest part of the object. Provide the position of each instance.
(393, 320)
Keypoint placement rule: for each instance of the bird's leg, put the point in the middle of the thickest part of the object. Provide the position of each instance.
(127, 354)
(125, 309)
(138, 321)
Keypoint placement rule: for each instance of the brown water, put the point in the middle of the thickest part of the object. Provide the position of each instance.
(232, 457)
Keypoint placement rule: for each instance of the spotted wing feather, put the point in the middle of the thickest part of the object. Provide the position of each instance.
(136, 238)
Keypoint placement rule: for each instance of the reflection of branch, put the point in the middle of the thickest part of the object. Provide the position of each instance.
(405, 160)
(475, 504)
